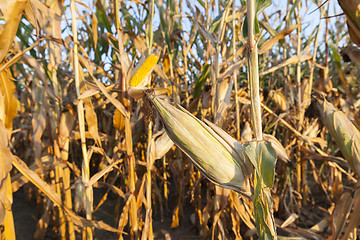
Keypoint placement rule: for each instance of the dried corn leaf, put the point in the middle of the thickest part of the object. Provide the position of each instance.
(291, 60)
(12, 15)
(340, 214)
(33, 63)
(94, 27)
(6, 159)
(90, 115)
(55, 198)
(104, 90)
(124, 217)
(271, 42)
(354, 217)
(7, 88)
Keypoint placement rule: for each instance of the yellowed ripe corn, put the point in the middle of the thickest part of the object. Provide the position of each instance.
(141, 73)
(216, 154)
(345, 134)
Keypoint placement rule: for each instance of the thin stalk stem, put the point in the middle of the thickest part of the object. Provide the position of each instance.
(235, 77)
(85, 171)
(148, 187)
(299, 164)
(149, 36)
(128, 133)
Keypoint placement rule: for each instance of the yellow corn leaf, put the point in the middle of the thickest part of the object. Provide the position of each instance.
(7, 88)
(166, 64)
(140, 76)
(94, 29)
(118, 120)
(12, 17)
(6, 158)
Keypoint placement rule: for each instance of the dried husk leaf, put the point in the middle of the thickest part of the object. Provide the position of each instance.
(210, 152)
(246, 133)
(79, 199)
(162, 144)
(138, 92)
(352, 10)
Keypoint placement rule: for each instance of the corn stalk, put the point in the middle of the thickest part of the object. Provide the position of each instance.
(85, 165)
(262, 155)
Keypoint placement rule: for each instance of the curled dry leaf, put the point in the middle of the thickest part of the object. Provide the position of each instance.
(162, 144)
(159, 145)
(280, 100)
(246, 132)
(279, 149)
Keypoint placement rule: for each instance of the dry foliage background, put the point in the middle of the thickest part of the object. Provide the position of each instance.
(79, 145)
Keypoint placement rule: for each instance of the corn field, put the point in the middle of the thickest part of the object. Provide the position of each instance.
(179, 119)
